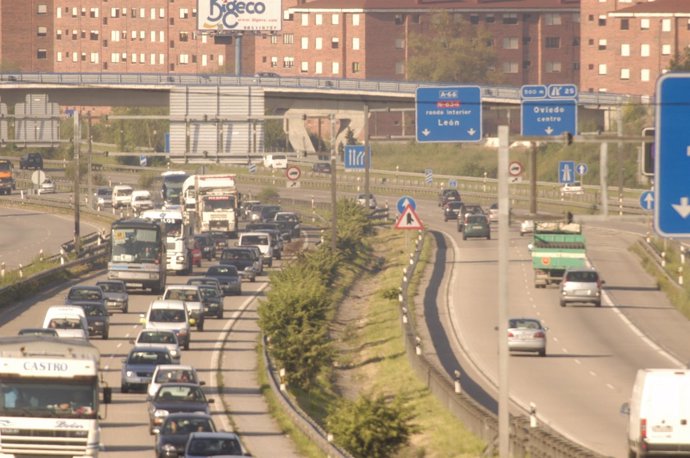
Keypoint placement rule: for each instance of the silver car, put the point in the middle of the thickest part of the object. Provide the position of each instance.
(115, 292)
(526, 334)
(581, 285)
(160, 338)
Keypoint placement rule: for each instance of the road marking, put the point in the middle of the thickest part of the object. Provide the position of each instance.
(610, 387)
(592, 373)
(577, 361)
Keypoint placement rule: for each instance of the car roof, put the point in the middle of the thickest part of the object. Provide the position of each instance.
(167, 304)
(172, 367)
(149, 348)
(176, 286)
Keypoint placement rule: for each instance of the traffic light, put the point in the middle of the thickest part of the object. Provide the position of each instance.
(648, 151)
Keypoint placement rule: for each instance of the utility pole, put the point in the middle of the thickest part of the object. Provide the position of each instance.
(89, 186)
(77, 179)
(533, 179)
(367, 154)
(334, 182)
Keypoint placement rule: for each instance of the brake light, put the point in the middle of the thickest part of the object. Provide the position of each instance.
(510, 334)
(643, 428)
(539, 334)
(598, 283)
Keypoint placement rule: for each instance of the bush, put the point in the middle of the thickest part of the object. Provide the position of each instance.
(371, 427)
(269, 196)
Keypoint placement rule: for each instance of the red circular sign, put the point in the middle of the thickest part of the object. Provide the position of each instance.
(515, 169)
(293, 173)
(546, 261)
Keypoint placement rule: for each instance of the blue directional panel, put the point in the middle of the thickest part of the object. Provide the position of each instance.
(672, 161)
(566, 172)
(356, 158)
(548, 111)
(448, 114)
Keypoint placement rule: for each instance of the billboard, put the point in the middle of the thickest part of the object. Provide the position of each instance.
(238, 15)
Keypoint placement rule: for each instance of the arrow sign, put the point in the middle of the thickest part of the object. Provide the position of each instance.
(683, 208)
(448, 114)
(581, 168)
(409, 220)
(647, 200)
(566, 172)
(404, 202)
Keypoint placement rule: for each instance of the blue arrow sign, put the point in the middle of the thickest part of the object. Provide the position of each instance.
(355, 157)
(647, 200)
(404, 201)
(562, 91)
(548, 118)
(452, 183)
(672, 161)
(582, 168)
(448, 114)
(566, 172)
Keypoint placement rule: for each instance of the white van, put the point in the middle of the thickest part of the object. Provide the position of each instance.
(276, 161)
(659, 413)
(122, 195)
(261, 239)
(170, 315)
(68, 320)
(141, 200)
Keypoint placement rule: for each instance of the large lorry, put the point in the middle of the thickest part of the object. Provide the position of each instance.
(556, 246)
(217, 203)
(49, 397)
(179, 239)
(7, 183)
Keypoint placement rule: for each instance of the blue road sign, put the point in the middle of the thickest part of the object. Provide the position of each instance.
(143, 161)
(672, 158)
(533, 91)
(562, 91)
(547, 117)
(449, 114)
(404, 201)
(566, 172)
(355, 157)
(582, 168)
(647, 200)
(452, 183)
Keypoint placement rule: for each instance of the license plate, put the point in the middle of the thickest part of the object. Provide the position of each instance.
(662, 428)
(583, 292)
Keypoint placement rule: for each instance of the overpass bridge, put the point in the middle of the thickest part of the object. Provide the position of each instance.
(224, 116)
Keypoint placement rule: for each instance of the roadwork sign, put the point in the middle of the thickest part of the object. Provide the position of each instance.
(409, 220)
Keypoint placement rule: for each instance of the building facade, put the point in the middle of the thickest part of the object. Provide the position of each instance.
(630, 44)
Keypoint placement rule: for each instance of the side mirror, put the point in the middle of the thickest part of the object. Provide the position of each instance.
(156, 430)
(530, 246)
(202, 383)
(142, 319)
(211, 401)
(107, 395)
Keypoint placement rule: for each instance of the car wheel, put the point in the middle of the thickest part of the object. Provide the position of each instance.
(186, 345)
(464, 237)
(105, 336)
(488, 237)
(219, 315)
(253, 279)
(200, 326)
(542, 353)
(597, 304)
(124, 388)
(563, 304)
(125, 309)
(270, 263)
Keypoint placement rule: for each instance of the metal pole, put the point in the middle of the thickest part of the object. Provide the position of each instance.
(334, 201)
(533, 179)
(238, 54)
(77, 179)
(503, 239)
(366, 154)
(89, 181)
(603, 177)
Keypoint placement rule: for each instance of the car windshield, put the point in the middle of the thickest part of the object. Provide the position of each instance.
(149, 357)
(167, 315)
(157, 337)
(85, 295)
(112, 287)
(524, 324)
(176, 375)
(65, 323)
(186, 426)
(236, 255)
(230, 271)
(189, 295)
(207, 446)
(94, 310)
(582, 277)
(179, 393)
(209, 292)
(254, 240)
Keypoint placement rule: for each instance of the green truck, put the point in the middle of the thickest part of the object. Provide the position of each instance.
(557, 245)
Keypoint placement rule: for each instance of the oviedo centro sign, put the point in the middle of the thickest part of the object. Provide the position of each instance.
(236, 15)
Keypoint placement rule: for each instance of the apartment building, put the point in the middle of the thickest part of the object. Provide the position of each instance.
(536, 41)
(126, 36)
(628, 44)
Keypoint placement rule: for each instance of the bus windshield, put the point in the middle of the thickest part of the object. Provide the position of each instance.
(172, 187)
(135, 245)
(48, 398)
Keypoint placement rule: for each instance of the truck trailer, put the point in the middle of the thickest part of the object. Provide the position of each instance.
(556, 246)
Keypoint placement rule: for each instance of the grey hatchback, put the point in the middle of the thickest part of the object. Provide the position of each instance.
(581, 285)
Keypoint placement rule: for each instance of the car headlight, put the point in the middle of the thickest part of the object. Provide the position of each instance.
(160, 413)
(182, 332)
(168, 448)
(129, 373)
(174, 353)
(179, 258)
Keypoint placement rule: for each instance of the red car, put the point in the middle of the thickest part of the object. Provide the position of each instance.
(196, 254)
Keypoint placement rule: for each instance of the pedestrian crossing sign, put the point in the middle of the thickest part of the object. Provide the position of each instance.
(409, 220)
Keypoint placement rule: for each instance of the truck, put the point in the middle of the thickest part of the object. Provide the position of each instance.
(217, 203)
(658, 413)
(556, 246)
(49, 397)
(7, 183)
(179, 239)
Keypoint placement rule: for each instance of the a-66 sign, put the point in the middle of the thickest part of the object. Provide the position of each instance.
(236, 15)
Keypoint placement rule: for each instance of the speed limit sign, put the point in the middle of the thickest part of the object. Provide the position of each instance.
(293, 173)
(515, 169)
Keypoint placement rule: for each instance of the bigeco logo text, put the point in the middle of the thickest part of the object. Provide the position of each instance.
(227, 12)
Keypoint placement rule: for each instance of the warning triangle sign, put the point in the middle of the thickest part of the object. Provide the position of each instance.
(409, 220)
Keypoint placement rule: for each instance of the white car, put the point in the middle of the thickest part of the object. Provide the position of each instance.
(141, 200)
(172, 373)
(47, 187)
(160, 338)
(526, 227)
(362, 200)
(493, 213)
(572, 188)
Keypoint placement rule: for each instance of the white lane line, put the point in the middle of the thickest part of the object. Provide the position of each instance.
(610, 387)
(592, 373)
(577, 361)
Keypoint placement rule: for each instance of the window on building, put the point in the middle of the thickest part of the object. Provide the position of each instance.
(666, 50)
(335, 68)
(644, 50)
(58, 34)
(83, 34)
(274, 61)
(75, 34)
(204, 60)
(489, 42)
(184, 59)
(142, 13)
(355, 67)
(625, 73)
(134, 13)
(590, 67)
(602, 44)
(318, 68)
(42, 8)
(114, 12)
(304, 67)
(645, 74)
(399, 19)
(134, 58)
(553, 67)
(124, 12)
(142, 58)
(95, 57)
(399, 43)
(58, 12)
(590, 18)
(75, 57)
(142, 35)
(184, 13)
(509, 67)
(576, 41)
(666, 25)
(602, 21)
(552, 42)
(105, 43)
(274, 39)
(355, 43)
(526, 40)
(161, 36)
(625, 50)
(287, 16)
(318, 43)
(115, 57)
(590, 41)
(318, 19)
(603, 69)
(58, 56)
(152, 14)
(114, 35)
(288, 38)
(335, 18)
(489, 18)
(83, 57)
(644, 24)
(526, 64)
(161, 13)
(305, 19)
(172, 44)
(510, 18)
(474, 19)
(552, 19)
(161, 59)
(152, 59)
(510, 43)
(288, 62)
(625, 24)
(400, 68)
(335, 42)
(355, 19)
(42, 31)
(184, 36)
(304, 43)
(133, 35)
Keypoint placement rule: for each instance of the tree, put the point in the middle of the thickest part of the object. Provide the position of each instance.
(370, 426)
(680, 63)
(452, 51)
